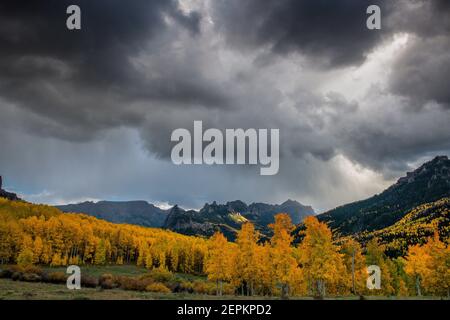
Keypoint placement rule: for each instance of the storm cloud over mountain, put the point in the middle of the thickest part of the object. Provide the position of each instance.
(89, 113)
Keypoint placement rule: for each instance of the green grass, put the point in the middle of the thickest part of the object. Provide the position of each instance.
(45, 291)
(123, 270)
(17, 290)
(96, 271)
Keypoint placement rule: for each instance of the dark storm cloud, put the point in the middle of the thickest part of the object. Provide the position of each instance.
(111, 31)
(334, 33)
(138, 70)
(80, 82)
(422, 71)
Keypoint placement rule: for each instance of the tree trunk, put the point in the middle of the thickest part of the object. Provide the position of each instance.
(321, 288)
(419, 293)
(353, 272)
(284, 291)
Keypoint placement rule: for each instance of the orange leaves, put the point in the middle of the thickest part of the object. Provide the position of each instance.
(322, 263)
(283, 261)
(58, 239)
(219, 261)
(43, 235)
(430, 266)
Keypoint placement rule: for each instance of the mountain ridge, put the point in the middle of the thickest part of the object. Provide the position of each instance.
(226, 217)
(137, 212)
(428, 183)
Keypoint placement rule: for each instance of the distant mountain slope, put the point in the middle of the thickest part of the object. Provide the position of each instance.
(131, 212)
(428, 183)
(415, 227)
(229, 217)
(212, 217)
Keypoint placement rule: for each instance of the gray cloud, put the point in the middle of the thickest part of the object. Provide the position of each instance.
(422, 72)
(332, 33)
(89, 114)
(86, 81)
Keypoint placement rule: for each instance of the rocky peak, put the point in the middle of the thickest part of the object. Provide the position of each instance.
(290, 202)
(434, 171)
(8, 195)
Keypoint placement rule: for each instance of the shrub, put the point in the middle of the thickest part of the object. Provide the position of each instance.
(186, 286)
(33, 269)
(228, 289)
(107, 281)
(16, 276)
(157, 287)
(160, 275)
(15, 268)
(89, 282)
(129, 283)
(6, 274)
(203, 287)
(31, 277)
(56, 277)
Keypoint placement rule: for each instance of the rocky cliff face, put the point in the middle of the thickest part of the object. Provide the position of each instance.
(8, 195)
(229, 217)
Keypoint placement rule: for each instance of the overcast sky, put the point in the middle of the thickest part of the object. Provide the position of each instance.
(88, 114)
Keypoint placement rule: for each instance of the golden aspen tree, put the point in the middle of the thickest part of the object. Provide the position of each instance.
(417, 263)
(38, 248)
(26, 255)
(148, 259)
(174, 259)
(355, 264)
(100, 253)
(264, 273)
(319, 256)
(375, 256)
(283, 261)
(6, 243)
(143, 250)
(56, 260)
(436, 278)
(64, 260)
(46, 254)
(218, 267)
(245, 260)
(162, 260)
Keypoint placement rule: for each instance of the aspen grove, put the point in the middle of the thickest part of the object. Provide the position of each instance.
(318, 266)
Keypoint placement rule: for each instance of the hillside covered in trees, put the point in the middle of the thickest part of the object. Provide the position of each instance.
(32, 235)
(429, 183)
(415, 227)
